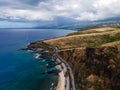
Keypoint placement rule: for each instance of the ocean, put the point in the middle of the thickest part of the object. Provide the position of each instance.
(20, 70)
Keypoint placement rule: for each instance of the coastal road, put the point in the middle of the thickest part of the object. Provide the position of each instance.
(64, 69)
(70, 84)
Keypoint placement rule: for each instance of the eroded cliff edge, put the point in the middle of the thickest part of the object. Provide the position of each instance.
(95, 68)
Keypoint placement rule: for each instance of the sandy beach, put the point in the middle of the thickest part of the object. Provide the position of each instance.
(61, 81)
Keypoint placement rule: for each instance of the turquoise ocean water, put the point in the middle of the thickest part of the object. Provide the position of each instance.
(20, 70)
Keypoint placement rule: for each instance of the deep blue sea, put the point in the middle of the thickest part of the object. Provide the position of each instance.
(20, 70)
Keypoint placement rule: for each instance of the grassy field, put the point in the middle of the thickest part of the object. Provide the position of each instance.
(87, 38)
(89, 32)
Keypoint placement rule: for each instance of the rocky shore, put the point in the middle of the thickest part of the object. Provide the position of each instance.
(57, 63)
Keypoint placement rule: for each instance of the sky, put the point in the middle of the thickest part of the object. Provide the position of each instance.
(31, 12)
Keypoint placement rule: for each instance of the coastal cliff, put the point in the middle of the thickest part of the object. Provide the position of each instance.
(93, 55)
(94, 68)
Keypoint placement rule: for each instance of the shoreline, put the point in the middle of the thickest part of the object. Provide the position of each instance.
(61, 79)
(64, 83)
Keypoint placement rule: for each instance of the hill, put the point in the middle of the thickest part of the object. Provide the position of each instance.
(94, 56)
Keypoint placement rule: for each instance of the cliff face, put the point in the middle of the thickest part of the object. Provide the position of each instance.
(95, 68)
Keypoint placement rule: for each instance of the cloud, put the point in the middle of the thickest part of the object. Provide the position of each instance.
(30, 15)
(107, 8)
(101, 9)
(49, 10)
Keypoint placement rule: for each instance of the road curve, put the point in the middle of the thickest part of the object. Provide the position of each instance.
(71, 83)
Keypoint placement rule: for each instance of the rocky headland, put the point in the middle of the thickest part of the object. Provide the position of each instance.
(93, 55)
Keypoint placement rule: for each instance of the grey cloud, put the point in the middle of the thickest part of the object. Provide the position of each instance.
(31, 2)
(49, 10)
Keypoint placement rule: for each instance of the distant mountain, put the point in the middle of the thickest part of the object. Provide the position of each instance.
(59, 22)
(95, 24)
(67, 23)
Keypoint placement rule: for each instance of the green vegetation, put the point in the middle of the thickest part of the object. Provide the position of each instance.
(84, 81)
(82, 32)
(117, 27)
(87, 32)
(92, 41)
(66, 74)
(111, 38)
(42, 45)
(103, 39)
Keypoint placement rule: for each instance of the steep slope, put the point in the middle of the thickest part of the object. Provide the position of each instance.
(95, 68)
